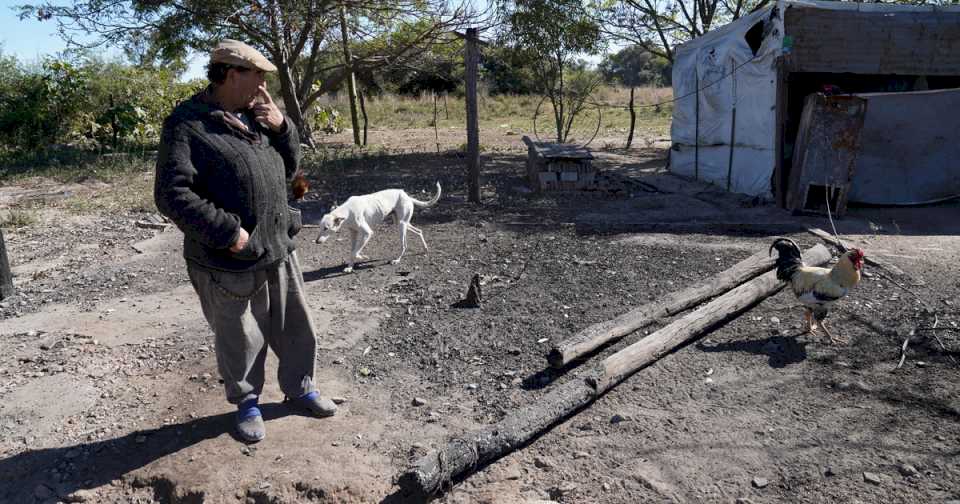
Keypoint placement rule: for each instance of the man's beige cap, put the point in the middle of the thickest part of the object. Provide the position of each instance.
(234, 52)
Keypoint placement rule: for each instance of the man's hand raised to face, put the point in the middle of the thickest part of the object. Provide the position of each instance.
(267, 113)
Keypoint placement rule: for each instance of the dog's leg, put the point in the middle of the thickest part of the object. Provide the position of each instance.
(365, 234)
(420, 234)
(403, 241)
(354, 241)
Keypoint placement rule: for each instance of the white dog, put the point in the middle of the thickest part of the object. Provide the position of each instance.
(361, 213)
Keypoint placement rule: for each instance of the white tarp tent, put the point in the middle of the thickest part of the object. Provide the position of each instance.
(713, 76)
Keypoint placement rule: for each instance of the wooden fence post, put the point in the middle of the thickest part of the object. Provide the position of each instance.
(351, 77)
(6, 277)
(473, 125)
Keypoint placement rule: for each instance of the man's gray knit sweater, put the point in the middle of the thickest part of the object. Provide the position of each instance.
(213, 177)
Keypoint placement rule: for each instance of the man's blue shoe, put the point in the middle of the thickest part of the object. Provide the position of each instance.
(312, 402)
(250, 426)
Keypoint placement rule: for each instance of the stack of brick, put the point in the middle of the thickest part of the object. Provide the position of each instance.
(559, 167)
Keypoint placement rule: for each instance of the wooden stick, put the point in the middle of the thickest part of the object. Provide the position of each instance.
(904, 287)
(906, 342)
(903, 349)
(463, 454)
(624, 363)
(871, 260)
(597, 335)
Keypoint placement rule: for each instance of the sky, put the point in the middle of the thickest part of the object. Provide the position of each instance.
(31, 40)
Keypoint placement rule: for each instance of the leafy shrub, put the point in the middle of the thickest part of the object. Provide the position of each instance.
(84, 104)
(326, 119)
(18, 219)
(39, 108)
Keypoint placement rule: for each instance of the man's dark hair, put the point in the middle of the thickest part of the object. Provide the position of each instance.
(217, 72)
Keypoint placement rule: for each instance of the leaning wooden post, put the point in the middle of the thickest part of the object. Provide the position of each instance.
(464, 453)
(351, 77)
(6, 276)
(473, 125)
(872, 260)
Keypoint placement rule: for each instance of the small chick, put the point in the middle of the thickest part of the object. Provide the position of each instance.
(299, 186)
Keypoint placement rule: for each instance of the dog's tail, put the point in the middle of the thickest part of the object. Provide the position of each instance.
(433, 200)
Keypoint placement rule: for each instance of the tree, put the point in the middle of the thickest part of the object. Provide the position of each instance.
(39, 108)
(633, 66)
(143, 51)
(660, 25)
(552, 34)
(298, 36)
(507, 71)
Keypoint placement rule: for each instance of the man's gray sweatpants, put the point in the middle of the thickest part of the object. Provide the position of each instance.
(252, 310)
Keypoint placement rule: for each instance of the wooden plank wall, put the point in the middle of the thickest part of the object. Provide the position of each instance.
(911, 43)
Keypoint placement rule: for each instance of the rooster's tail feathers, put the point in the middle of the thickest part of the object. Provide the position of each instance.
(789, 257)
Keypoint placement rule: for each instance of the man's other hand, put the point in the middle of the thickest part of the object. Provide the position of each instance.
(241, 242)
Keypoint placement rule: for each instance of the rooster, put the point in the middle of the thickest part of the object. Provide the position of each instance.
(299, 186)
(816, 288)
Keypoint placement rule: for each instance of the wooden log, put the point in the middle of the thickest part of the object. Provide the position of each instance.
(464, 453)
(871, 260)
(624, 363)
(597, 335)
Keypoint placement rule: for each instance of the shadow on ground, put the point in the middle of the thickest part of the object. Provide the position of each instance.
(781, 351)
(104, 461)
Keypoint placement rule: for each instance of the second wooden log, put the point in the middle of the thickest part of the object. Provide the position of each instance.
(597, 335)
(633, 358)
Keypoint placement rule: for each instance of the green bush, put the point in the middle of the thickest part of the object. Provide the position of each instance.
(39, 108)
(85, 104)
(326, 120)
(132, 103)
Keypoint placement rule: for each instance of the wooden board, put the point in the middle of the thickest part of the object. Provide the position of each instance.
(550, 150)
(827, 145)
(874, 41)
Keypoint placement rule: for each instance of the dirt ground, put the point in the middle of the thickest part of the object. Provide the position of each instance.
(109, 390)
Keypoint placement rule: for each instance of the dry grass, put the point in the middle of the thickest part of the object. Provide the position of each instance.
(516, 111)
(114, 185)
(128, 177)
(17, 218)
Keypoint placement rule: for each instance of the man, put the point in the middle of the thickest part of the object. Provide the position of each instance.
(225, 158)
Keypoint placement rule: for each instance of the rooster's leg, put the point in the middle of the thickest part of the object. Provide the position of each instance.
(808, 317)
(823, 324)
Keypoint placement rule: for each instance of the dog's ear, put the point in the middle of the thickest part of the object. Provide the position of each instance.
(337, 222)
